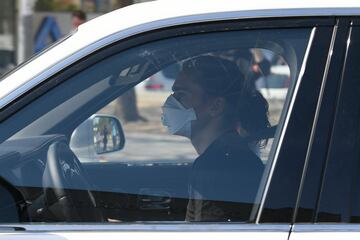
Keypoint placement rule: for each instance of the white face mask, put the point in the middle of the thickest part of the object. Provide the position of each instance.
(176, 118)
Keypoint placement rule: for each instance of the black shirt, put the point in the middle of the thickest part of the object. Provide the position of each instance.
(224, 181)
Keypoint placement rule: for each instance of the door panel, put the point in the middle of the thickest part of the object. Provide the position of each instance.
(154, 192)
(324, 231)
(328, 235)
(110, 235)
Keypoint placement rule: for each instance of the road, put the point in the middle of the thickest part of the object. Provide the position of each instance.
(148, 148)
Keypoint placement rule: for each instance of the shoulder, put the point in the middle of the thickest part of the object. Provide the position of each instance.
(230, 154)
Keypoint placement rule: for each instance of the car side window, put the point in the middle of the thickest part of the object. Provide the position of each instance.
(180, 129)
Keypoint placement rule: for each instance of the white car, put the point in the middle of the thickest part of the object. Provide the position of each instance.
(67, 173)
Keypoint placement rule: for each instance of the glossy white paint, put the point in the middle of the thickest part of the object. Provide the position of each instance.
(325, 231)
(139, 18)
(146, 235)
(326, 236)
(159, 231)
(154, 226)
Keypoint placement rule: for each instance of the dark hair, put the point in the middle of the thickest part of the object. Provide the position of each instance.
(222, 78)
(79, 14)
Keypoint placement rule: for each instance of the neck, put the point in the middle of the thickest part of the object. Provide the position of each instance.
(203, 138)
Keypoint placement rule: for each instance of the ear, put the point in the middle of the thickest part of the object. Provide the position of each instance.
(217, 107)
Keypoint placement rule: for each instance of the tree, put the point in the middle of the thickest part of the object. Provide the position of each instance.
(54, 5)
(126, 107)
(123, 3)
(45, 5)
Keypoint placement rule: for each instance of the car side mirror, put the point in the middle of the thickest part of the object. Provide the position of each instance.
(98, 135)
(107, 134)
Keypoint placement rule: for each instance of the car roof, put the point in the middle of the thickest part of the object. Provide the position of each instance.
(147, 16)
(167, 9)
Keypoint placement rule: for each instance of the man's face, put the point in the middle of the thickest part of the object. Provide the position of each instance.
(76, 21)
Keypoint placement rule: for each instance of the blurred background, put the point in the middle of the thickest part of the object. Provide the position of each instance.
(28, 26)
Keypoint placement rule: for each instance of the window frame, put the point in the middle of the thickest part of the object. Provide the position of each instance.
(109, 49)
(322, 24)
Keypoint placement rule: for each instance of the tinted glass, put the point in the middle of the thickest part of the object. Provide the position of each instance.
(339, 197)
(104, 146)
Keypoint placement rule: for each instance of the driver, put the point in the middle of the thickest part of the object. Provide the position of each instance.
(212, 106)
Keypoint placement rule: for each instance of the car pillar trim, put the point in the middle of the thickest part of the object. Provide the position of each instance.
(315, 122)
(283, 130)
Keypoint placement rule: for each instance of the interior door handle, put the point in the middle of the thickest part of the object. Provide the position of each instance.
(152, 199)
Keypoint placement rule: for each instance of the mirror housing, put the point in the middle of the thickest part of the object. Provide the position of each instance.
(98, 135)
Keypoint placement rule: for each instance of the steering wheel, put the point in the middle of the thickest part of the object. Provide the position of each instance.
(67, 195)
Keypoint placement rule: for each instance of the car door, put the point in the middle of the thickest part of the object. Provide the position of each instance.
(128, 191)
(330, 195)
